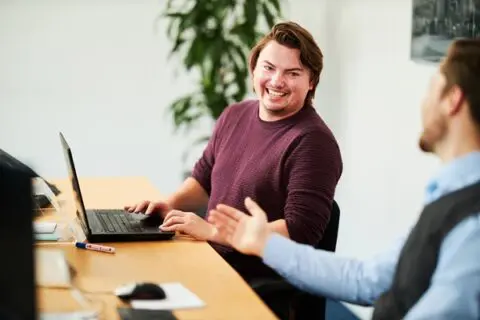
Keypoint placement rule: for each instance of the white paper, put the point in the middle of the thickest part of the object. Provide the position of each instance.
(177, 297)
(51, 268)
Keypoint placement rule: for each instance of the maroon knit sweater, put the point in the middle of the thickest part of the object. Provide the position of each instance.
(289, 167)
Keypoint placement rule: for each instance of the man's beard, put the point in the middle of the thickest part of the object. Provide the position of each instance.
(424, 144)
(430, 137)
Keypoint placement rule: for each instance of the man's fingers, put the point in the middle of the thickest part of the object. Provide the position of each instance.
(254, 208)
(174, 227)
(173, 221)
(229, 211)
(140, 207)
(146, 206)
(174, 213)
(151, 207)
(221, 220)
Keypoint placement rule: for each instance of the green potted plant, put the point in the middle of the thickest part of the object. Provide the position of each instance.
(213, 38)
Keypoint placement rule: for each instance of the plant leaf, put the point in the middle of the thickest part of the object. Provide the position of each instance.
(179, 108)
(275, 4)
(250, 11)
(268, 16)
(194, 55)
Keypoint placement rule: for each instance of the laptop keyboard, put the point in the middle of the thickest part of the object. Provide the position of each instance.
(118, 221)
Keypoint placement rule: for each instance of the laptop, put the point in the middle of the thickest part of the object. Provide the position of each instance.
(111, 225)
(17, 272)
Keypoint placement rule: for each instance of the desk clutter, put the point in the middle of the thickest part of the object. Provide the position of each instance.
(54, 232)
(45, 231)
(53, 271)
(59, 275)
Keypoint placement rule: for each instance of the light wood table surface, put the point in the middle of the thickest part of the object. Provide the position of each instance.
(193, 263)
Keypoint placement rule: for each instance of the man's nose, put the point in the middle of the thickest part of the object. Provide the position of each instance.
(277, 79)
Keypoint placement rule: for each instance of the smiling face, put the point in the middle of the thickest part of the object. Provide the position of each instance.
(280, 81)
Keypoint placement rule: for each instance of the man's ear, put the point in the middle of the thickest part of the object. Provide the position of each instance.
(311, 85)
(455, 99)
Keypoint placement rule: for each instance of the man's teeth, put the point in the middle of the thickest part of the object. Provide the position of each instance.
(276, 93)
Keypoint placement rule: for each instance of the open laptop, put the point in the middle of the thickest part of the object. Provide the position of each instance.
(111, 225)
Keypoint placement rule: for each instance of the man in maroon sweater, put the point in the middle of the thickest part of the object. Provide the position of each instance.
(275, 149)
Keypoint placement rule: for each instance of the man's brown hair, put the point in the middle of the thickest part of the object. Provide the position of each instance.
(294, 36)
(461, 68)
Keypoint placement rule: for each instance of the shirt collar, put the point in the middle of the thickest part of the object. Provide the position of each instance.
(454, 175)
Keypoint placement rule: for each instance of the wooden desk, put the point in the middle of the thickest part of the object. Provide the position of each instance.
(195, 264)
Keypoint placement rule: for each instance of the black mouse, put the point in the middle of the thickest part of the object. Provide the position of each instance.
(140, 291)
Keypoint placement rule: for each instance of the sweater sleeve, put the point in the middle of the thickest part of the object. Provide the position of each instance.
(312, 171)
(202, 170)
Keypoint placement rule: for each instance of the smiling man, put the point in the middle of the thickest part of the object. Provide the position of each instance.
(275, 149)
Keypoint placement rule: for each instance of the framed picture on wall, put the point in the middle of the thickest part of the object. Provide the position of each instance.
(436, 23)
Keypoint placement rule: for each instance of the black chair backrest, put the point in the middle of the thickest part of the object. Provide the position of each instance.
(329, 240)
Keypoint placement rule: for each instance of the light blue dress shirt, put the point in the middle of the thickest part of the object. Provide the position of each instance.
(454, 292)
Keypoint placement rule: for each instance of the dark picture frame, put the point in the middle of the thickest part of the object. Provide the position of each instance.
(436, 23)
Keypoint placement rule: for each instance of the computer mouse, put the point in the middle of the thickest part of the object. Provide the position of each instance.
(140, 291)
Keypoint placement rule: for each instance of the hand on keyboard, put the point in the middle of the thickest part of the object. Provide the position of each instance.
(149, 207)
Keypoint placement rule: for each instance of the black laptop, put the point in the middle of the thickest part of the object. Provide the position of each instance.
(111, 225)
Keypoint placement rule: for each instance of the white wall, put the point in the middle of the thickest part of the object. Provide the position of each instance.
(98, 71)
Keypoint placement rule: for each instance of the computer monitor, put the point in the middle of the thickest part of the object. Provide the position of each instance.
(17, 268)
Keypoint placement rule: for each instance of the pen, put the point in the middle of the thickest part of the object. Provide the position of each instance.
(94, 247)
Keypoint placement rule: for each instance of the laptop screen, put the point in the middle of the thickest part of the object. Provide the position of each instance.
(77, 195)
(17, 275)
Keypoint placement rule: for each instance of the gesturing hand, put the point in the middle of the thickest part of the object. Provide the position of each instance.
(247, 234)
(188, 223)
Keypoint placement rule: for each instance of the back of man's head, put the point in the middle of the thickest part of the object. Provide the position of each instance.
(461, 68)
(294, 36)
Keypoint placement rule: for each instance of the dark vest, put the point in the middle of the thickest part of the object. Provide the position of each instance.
(419, 256)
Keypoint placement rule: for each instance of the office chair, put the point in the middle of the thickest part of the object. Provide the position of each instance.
(302, 305)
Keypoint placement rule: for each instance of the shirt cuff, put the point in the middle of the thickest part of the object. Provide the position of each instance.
(274, 251)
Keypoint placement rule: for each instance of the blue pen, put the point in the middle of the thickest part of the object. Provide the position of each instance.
(94, 247)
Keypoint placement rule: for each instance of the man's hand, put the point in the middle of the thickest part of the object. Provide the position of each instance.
(247, 234)
(149, 207)
(189, 223)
